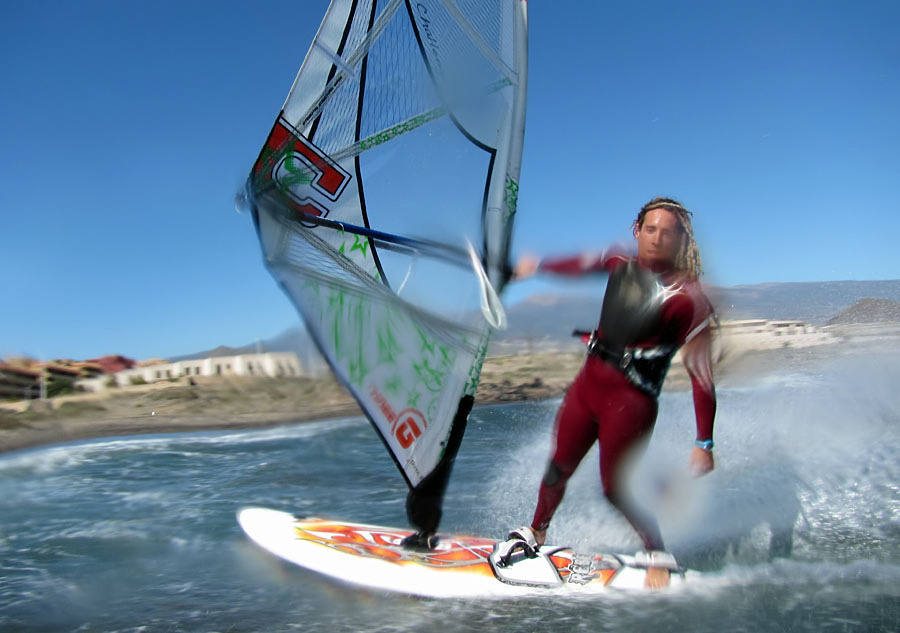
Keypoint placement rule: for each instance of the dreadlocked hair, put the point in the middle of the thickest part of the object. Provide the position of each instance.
(687, 260)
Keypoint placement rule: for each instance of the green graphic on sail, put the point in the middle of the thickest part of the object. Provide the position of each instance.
(384, 198)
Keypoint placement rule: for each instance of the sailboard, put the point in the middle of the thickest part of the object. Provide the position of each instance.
(372, 556)
(384, 198)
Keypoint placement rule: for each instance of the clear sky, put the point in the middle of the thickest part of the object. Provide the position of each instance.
(127, 127)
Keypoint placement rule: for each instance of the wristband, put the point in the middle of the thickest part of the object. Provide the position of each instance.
(706, 445)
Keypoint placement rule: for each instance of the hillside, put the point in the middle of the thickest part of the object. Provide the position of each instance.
(814, 303)
(544, 322)
(869, 311)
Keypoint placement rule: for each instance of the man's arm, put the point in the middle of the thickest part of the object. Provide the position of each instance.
(697, 355)
(529, 265)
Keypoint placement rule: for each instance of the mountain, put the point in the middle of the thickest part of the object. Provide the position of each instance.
(293, 339)
(548, 320)
(552, 316)
(815, 302)
(869, 311)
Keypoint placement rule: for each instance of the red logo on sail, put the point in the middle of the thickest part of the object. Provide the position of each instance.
(406, 426)
(300, 170)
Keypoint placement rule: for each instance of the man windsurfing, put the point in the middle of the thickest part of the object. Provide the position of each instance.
(653, 307)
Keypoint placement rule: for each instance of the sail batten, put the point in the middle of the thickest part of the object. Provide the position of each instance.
(384, 198)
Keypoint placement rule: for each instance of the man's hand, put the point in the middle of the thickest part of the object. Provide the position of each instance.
(700, 462)
(526, 267)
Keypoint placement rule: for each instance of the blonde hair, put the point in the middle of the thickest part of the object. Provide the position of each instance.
(687, 260)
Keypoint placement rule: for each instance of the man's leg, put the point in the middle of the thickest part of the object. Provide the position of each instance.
(574, 433)
(623, 433)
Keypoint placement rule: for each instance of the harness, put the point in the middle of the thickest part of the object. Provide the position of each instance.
(644, 367)
(632, 310)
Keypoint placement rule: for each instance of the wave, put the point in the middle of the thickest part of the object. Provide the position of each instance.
(46, 460)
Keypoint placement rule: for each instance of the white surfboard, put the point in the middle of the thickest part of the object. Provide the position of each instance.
(459, 567)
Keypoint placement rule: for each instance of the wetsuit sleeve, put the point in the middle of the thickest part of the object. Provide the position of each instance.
(695, 316)
(581, 264)
(697, 356)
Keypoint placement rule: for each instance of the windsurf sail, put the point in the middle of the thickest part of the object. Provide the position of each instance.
(384, 198)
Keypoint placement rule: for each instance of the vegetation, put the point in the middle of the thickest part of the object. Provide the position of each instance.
(76, 409)
(11, 420)
(55, 389)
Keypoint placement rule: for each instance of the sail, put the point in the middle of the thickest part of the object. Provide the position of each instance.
(384, 198)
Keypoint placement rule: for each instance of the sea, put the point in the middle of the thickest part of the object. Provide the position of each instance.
(797, 529)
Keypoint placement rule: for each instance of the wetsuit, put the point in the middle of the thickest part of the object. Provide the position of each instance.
(613, 399)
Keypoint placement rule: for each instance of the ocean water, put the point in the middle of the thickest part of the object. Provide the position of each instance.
(798, 529)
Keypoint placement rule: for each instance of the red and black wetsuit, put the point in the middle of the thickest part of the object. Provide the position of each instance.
(614, 402)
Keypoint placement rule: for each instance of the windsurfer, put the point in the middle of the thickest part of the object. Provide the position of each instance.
(653, 306)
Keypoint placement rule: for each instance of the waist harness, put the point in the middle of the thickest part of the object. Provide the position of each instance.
(644, 367)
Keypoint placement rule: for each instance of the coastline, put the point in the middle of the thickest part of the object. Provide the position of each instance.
(251, 403)
(227, 404)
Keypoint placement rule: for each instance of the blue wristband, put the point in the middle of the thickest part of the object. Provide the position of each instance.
(706, 445)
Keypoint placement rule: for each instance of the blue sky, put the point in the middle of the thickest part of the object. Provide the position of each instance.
(127, 127)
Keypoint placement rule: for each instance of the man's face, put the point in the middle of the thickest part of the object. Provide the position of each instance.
(658, 239)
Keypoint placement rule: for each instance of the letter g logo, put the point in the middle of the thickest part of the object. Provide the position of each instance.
(408, 427)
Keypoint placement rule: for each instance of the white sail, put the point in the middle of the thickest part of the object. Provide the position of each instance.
(384, 198)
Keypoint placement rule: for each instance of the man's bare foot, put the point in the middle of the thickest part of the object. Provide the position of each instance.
(657, 578)
(540, 536)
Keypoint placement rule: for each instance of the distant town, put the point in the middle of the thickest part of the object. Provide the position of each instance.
(28, 379)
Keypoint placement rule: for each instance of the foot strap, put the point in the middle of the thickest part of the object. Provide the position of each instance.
(521, 539)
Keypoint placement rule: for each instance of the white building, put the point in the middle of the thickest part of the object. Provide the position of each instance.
(271, 364)
(762, 334)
